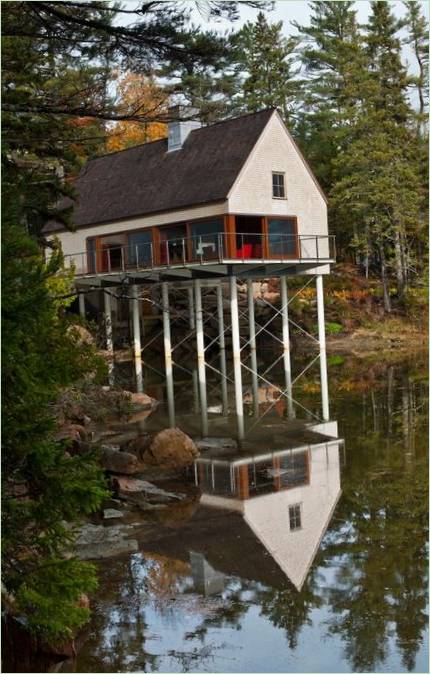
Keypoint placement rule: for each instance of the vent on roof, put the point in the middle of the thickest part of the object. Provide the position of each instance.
(183, 122)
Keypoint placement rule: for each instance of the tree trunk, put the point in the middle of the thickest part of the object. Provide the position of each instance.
(384, 279)
(399, 265)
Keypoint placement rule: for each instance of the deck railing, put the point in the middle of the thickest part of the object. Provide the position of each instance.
(204, 249)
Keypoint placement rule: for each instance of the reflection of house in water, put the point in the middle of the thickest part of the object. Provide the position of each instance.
(262, 514)
(286, 496)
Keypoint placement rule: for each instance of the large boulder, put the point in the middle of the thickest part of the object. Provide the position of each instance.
(115, 461)
(172, 448)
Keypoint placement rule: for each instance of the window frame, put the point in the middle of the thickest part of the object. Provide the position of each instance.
(294, 516)
(279, 174)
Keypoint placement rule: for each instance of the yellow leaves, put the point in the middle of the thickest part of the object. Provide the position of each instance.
(139, 96)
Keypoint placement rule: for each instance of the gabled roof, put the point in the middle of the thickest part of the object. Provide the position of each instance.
(148, 179)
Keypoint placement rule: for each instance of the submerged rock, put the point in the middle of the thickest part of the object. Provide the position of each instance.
(171, 448)
(112, 514)
(141, 492)
(97, 542)
(215, 443)
(140, 444)
(115, 461)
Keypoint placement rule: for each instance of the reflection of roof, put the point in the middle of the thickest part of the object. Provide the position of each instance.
(256, 542)
(226, 542)
(148, 179)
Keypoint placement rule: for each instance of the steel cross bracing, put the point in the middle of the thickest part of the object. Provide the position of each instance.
(200, 311)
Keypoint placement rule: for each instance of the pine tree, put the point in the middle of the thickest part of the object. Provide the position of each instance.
(57, 57)
(418, 39)
(379, 183)
(266, 60)
(336, 63)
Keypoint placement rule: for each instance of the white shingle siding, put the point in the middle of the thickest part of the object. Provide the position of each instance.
(252, 192)
(75, 242)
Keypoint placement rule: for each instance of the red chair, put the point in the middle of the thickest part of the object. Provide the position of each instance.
(245, 252)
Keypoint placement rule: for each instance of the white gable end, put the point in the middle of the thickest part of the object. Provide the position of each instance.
(252, 192)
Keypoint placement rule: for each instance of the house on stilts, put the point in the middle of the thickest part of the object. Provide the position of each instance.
(235, 200)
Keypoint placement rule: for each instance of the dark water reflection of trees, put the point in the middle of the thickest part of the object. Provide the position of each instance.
(370, 573)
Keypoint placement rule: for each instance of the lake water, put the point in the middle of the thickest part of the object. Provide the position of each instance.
(339, 584)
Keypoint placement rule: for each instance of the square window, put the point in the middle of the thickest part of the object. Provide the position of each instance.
(295, 513)
(278, 185)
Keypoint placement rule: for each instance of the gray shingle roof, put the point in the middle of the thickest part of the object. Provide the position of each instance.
(149, 179)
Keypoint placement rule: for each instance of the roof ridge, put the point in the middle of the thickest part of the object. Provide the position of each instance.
(201, 128)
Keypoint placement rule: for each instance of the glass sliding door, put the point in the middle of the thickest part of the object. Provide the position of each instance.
(206, 239)
(139, 249)
(173, 244)
(282, 238)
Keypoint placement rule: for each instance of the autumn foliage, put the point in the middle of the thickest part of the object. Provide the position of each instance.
(142, 97)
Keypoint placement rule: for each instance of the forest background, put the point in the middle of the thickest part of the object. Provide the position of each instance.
(84, 78)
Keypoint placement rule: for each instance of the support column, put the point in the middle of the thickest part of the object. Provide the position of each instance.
(137, 348)
(192, 324)
(81, 300)
(223, 364)
(238, 394)
(286, 346)
(168, 353)
(323, 357)
(109, 334)
(201, 356)
(253, 346)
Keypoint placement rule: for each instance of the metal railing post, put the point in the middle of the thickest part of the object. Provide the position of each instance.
(183, 252)
(109, 260)
(137, 256)
(122, 258)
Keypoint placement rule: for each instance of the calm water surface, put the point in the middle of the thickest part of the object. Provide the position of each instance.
(214, 590)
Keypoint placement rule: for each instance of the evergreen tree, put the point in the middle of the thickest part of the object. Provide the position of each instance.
(265, 66)
(55, 101)
(334, 59)
(418, 39)
(378, 183)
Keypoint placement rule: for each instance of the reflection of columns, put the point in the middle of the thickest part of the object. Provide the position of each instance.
(253, 346)
(81, 300)
(137, 349)
(277, 473)
(286, 345)
(236, 356)
(223, 365)
(168, 353)
(201, 356)
(323, 357)
(243, 481)
(109, 335)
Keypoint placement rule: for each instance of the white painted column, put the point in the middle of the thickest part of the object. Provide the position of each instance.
(168, 365)
(137, 347)
(323, 357)
(222, 360)
(238, 394)
(81, 300)
(253, 346)
(286, 346)
(109, 334)
(192, 323)
(201, 365)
